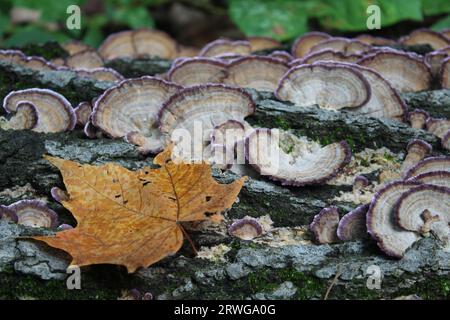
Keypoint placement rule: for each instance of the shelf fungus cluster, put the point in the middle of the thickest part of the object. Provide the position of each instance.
(30, 213)
(40, 110)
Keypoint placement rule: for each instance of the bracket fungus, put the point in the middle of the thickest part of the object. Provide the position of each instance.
(130, 110)
(373, 40)
(87, 59)
(381, 222)
(18, 57)
(352, 225)
(344, 45)
(416, 150)
(245, 229)
(34, 213)
(54, 112)
(100, 74)
(304, 165)
(445, 141)
(324, 225)
(194, 71)
(405, 71)
(434, 60)
(192, 113)
(138, 43)
(83, 112)
(425, 208)
(24, 118)
(329, 55)
(59, 195)
(444, 74)
(256, 72)
(303, 44)
(430, 164)
(425, 36)
(225, 47)
(6, 214)
(263, 43)
(281, 55)
(73, 47)
(418, 118)
(224, 140)
(330, 86)
(438, 127)
(360, 182)
(438, 178)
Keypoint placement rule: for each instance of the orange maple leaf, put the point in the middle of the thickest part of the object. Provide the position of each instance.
(132, 218)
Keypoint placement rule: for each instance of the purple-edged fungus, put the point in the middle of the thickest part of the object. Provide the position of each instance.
(73, 47)
(416, 150)
(424, 36)
(14, 56)
(245, 229)
(445, 141)
(192, 113)
(195, 71)
(428, 165)
(100, 74)
(25, 117)
(324, 225)
(446, 32)
(360, 182)
(281, 55)
(147, 296)
(63, 227)
(225, 47)
(329, 86)
(406, 72)
(256, 72)
(305, 164)
(138, 43)
(381, 222)
(444, 74)
(438, 178)
(438, 127)
(224, 139)
(304, 43)
(91, 131)
(55, 114)
(83, 112)
(263, 43)
(187, 52)
(330, 55)
(417, 118)
(87, 59)
(344, 45)
(372, 40)
(434, 60)
(34, 213)
(130, 110)
(59, 195)
(6, 214)
(352, 225)
(425, 209)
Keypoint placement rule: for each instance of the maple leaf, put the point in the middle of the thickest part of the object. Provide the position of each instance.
(132, 218)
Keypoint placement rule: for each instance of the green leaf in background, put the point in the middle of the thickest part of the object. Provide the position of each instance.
(32, 34)
(51, 10)
(442, 24)
(432, 7)
(350, 15)
(280, 19)
(133, 17)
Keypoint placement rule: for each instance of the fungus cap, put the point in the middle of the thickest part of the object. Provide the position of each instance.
(438, 178)
(6, 214)
(245, 229)
(344, 45)
(425, 36)
(444, 73)
(25, 118)
(263, 43)
(324, 225)
(225, 47)
(430, 164)
(417, 118)
(194, 71)
(372, 40)
(87, 59)
(100, 74)
(303, 44)
(329, 55)
(59, 195)
(438, 127)
(83, 112)
(34, 213)
(352, 225)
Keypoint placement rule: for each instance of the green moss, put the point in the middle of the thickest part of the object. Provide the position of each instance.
(48, 50)
(281, 123)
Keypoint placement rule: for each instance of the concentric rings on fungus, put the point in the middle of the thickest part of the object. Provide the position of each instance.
(34, 213)
(444, 74)
(25, 118)
(263, 43)
(434, 60)
(54, 112)
(224, 140)
(352, 225)
(406, 72)
(425, 36)
(303, 44)
(6, 214)
(438, 127)
(438, 178)
(225, 47)
(194, 71)
(245, 229)
(372, 40)
(330, 86)
(306, 166)
(430, 164)
(100, 74)
(416, 150)
(87, 59)
(256, 72)
(138, 43)
(130, 110)
(83, 112)
(381, 221)
(200, 109)
(344, 45)
(324, 225)
(328, 55)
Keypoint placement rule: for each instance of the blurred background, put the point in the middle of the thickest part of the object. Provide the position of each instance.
(195, 22)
